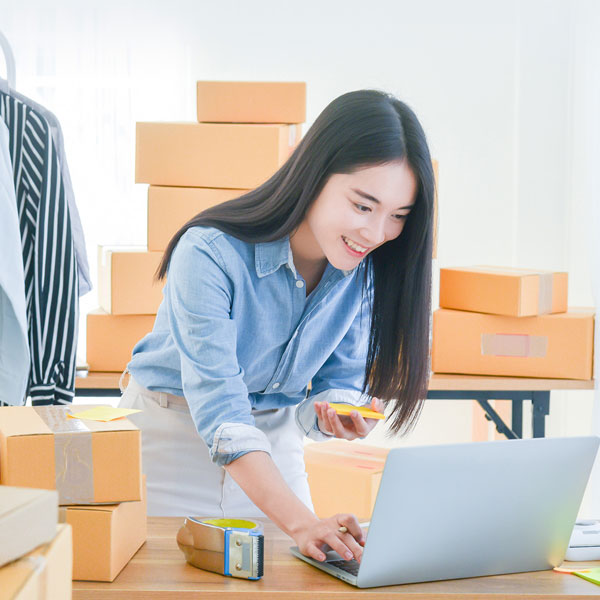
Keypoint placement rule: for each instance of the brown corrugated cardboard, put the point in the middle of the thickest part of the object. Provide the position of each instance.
(111, 338)
(211, 154)
(169, 208)
(43, 574)
(554, 346)
(126, 282)
(28, 518)
(86, 461)
(503, 290)
(105, 537)
(344, 477)
(251, 101)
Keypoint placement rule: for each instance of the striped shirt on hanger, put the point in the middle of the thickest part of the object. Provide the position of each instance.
(51, 283)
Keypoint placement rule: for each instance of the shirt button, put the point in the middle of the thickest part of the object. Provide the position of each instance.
(299, 284)
(275, 386)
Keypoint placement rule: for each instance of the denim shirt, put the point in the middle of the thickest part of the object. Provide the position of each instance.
(235, 332)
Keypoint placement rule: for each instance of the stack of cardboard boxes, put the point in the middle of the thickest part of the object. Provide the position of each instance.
(95, 466)
(35, 551)
(245, 132)
(511, 322)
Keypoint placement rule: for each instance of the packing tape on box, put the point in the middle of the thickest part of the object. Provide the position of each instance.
(514, 345)
(232, 547)
(73, 461)
(292, 135)
(545, 293)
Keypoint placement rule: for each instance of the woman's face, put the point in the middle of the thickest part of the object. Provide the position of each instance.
(357, 212)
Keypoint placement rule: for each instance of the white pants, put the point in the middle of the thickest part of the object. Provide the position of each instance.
(180, 476)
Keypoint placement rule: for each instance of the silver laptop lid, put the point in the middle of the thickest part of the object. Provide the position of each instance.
(464, 510)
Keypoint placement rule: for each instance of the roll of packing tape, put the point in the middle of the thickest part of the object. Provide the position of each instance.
(232, 547)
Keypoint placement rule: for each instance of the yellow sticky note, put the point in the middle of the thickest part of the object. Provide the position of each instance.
(569, 570)
(103, 413)
(365, 412)
(592, 575)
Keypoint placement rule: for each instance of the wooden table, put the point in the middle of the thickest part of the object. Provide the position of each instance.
(159, 571)
(441, 387)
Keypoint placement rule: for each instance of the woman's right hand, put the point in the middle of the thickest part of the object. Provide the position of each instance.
(313, 537)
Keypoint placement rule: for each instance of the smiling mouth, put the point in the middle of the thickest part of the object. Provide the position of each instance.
(354, 247)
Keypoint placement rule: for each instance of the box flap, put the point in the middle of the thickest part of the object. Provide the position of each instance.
(25, 420)
(21, 420)
(346, 448)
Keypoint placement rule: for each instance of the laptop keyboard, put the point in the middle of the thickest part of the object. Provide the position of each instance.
(350, 566)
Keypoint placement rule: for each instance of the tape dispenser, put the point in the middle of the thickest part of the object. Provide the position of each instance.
(232, 547)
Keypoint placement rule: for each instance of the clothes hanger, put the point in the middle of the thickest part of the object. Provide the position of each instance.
(9, 58)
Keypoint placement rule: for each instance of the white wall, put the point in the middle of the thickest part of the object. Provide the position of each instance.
(499, 87)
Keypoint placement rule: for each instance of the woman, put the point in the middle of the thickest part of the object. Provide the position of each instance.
(319, 276)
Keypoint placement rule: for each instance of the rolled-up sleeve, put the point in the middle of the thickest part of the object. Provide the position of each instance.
(198, 295)
(341, 377)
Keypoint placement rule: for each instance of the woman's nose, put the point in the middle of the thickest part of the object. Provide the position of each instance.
(374, 233)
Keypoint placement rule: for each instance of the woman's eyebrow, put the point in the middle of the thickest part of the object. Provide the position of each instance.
(373, 199)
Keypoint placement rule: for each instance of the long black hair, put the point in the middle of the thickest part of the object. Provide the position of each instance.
(359, 129)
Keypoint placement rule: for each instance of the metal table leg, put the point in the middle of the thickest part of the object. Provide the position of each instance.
(517, 417)
(501, 426)
(541, 408)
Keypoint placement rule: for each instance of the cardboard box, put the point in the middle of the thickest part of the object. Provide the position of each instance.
(169, 208)
(251, 101)
(211, 154)
(554, 346)
(503, 290)
(28, 518)
(344, 477)
(86, 461)
(43, 574)
(126, 282)
(105, 537)
(110, 338)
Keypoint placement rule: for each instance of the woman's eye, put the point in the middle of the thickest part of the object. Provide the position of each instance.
(400, 217)
(362, 208)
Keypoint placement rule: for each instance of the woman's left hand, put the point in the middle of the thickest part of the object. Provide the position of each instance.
(346, 427)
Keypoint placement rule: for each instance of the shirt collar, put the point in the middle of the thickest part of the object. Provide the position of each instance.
(269, 256)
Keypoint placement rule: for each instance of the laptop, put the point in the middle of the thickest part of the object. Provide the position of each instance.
(465, 510)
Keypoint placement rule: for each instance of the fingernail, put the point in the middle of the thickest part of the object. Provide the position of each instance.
(354, 413)
(348, 555)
